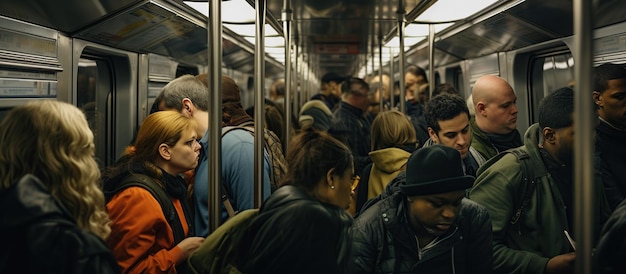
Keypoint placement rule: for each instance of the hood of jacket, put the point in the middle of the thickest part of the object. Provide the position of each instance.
(389, 160)
(532, 139)
(29, 201)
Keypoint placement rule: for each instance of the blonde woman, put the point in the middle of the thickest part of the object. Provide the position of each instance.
(393, 141)
(148, 237)
(51, 206)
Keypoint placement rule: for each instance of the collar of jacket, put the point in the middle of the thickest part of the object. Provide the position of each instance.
(395, 213)
(350, 108)
(30, 200)
(284, 195)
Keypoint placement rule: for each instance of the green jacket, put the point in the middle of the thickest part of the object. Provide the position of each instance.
(538, 236)
(481, 142)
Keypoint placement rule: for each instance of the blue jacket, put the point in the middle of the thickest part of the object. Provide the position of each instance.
(237, 176)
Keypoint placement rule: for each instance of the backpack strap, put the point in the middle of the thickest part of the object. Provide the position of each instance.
(276, 154)
(528, 184)
(158, 192)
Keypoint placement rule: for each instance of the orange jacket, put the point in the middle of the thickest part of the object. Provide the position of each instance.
(141, 239)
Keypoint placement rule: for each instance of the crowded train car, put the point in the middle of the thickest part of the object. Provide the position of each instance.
(352, 71)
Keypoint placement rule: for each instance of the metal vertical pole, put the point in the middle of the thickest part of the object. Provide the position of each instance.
(381, 95)
(287, 17)
(307, 75)
(401, 24)
(584, 118)
(298, 71)
(259, 86)
(431, 59)
(391, 79)
(215, 117)
(373, 56)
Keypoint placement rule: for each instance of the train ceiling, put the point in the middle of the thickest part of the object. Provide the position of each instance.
(331, 35)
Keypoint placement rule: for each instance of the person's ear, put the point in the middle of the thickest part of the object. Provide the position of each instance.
(597, 99)
(549, 135)
(188, 107)
(480, 108)
(433, 135)
(164, 152)
(330, 180)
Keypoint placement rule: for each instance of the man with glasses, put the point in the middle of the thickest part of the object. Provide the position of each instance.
(351, 126)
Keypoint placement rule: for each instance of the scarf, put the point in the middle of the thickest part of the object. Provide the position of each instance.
(503, 142)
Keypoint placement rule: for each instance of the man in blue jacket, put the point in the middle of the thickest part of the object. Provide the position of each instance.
(190, 96)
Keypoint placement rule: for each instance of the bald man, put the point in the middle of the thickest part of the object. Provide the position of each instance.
(494, 126)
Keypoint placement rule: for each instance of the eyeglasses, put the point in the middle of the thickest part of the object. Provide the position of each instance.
(355, 182)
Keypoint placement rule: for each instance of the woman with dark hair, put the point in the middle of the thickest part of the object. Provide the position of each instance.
(303, 226)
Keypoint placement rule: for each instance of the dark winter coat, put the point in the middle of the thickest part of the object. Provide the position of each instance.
(39, 235)
(384, 241)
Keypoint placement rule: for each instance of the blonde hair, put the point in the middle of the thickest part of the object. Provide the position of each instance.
(392, 129)
(52, 140)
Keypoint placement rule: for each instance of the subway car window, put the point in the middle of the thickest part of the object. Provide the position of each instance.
(458, 80)
(93, 86)
(549, 73)
(182, 70)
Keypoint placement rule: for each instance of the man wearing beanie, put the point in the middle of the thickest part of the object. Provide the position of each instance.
(426, 225)
(317, 115)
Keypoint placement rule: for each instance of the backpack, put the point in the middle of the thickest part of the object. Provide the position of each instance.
(218, 252)
(528, 185)
(274, 149)
(158, 192)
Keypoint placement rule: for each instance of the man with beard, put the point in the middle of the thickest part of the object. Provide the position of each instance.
(448, 120)
(534, 241)
(609, 95)
(494, 125)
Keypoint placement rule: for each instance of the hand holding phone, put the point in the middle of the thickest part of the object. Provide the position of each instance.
(569, 238)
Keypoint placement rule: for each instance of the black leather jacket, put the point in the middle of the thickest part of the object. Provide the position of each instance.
(384, 242)
(295, 233)
(38, 235)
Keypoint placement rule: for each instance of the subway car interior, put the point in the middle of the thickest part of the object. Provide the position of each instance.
(111, 58)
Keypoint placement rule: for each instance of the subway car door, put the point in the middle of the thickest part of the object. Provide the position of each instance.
(106, 88)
